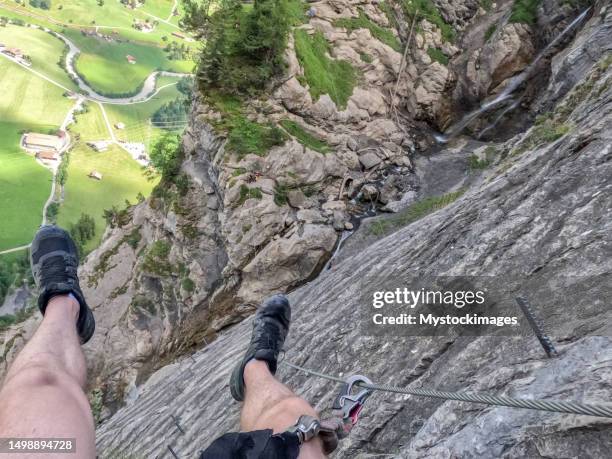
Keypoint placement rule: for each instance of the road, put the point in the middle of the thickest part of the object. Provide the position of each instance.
(145, 93)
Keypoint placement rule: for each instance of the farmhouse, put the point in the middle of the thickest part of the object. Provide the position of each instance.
(131, 59)
(120, 126)
(14, 52)
(48, 155)
(40, 142)
(178, 35)
(95, 175)
(99, 145)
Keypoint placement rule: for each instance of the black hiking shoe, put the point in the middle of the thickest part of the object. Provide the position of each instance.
(54, 260)
(270, 328)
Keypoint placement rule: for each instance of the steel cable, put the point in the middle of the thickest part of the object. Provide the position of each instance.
(555, 406)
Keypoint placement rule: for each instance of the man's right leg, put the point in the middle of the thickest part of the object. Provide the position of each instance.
(271, 405)
(268, 404)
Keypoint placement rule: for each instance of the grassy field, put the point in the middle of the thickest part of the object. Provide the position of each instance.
(159, 8)
(101, 62)
(136, 116)
(27, 103)
(44, 50)
(24, 188)
(91, 125)
(122, 179)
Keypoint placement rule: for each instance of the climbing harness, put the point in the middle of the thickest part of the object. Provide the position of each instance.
(345, 414)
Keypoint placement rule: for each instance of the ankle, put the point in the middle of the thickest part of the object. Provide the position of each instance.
(256, 369)
(62, 304)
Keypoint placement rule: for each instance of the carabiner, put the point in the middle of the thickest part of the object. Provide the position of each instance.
(351, 404)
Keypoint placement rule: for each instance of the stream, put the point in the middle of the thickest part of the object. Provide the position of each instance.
(505, 95)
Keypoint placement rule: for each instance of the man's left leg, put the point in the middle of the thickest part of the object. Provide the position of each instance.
(42, 395)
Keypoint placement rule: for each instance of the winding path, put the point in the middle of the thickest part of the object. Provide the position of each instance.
(148, 87)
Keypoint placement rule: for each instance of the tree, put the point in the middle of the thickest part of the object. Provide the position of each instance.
(171, 112)
(100, 2)
(166, 154)
(83, 231)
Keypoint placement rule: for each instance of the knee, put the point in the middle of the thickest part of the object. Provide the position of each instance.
(289, 409)
(41, 376)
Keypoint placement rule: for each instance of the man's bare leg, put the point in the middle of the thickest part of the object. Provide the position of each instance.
(42, 395)
(271, 405)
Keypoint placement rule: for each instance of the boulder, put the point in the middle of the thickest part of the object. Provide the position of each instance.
(369, 159)
(285, 262)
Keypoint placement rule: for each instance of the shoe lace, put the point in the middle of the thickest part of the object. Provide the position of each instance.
(58, 269)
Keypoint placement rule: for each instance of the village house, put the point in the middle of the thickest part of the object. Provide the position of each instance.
(131, 59)
(13, 52)
(42, 142)
(95, 175)
(99, 145)
(178, 35)
(48, 155)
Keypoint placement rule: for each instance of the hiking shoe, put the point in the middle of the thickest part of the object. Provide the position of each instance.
(270, 328)
(54, 260)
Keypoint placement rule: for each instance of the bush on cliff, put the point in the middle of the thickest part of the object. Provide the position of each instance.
(244, 47)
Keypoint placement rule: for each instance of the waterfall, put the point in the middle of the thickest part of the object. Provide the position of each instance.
(505, 94)
(345, 235)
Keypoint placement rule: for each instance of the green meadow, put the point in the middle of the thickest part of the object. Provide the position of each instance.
(136, 116)
(27, 103)
(44, 50)
(101, 62)
(122, 178)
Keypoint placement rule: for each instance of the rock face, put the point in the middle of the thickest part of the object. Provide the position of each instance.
(543, 212)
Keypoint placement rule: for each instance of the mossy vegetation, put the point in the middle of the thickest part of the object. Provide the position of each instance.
(96, 402)
(8, 320)
(156, 259)
(486, 4)
(414, 212)
(188, 285)
(322, 74)
(478, 163)
(428, 10)
(489, 32)
(250, 137)
(248, 193)
(365, 57)
(243, 135)
(280, 194)
(525, 11)
(437, 55)
(364, 22)
(546, 129)
(304, 137)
